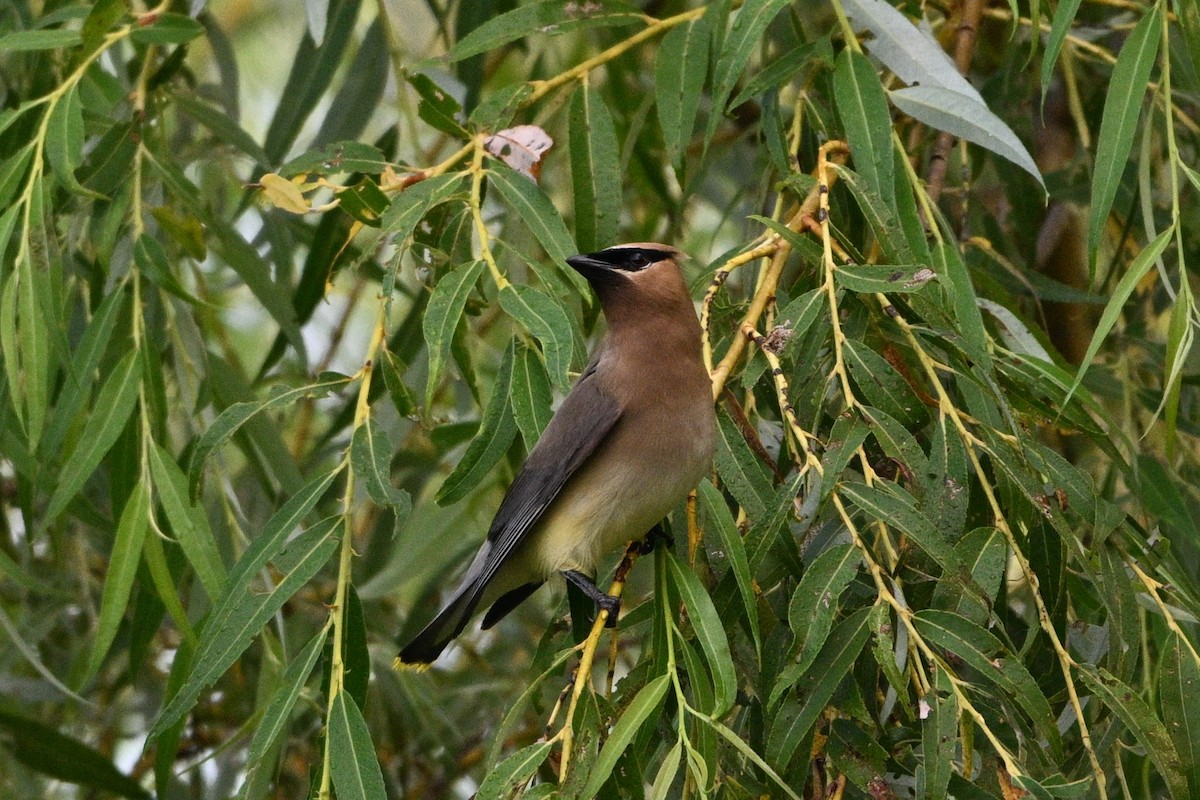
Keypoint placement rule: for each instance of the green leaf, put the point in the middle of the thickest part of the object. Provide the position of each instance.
(710, 633)
(883, 387)
(45, 750)
(513, 772)
(1119, 122)
(680, 69)
(1139, 718)
(238, 414)
(168, 28)
(352, 762)
(740, 43)
(152, 261)
(437, 106)
(1060, 25)
(219, 124)
(881, 216)
(1129, 281)
(819, 51)
(939, 736)
(645, 703)
(371, 459)
(1179, 694)
(814, 604)
(953, 275)
(816, 687)
(339, 158)
(716, 512)
(862, 106)
(496, 432)
(26, 41)
(871, 278)
(535, 210)
(548, 322)
(548, 18)
(531, 395)
(356, 659)
(33, 338)
(977, 647)
(442, 316)
(595, 171)
(229, 627)
(740, 471)
(118, 578)
(112, 408)
(407, 210)
(259, 770)
(64, 140)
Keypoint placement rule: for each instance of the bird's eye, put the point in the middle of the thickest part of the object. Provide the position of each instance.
(639, 261)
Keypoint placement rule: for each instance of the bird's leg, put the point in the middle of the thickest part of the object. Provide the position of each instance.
(605, 601)
(655, 535)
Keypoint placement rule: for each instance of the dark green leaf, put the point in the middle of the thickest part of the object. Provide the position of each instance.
(545, 18)
(437, 106)
(352, 761)
(531, 395)
(534, 208)
(863, 108)
(595, 171)
(1179, 693)
(371, 458)
(444, 314)
(647, 702)
(710, 633)
(742, 40)
(679, 73)
(714, 510)
(814, 604)
(939, 736)
(168, 28)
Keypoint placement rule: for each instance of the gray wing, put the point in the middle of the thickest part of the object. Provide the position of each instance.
(581, 423)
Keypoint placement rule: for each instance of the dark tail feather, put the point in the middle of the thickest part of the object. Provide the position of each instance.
(427, 645)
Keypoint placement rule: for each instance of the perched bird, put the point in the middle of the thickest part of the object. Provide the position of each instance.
(631, 439)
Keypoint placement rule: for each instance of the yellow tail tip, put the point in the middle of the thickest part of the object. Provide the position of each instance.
(406, 666)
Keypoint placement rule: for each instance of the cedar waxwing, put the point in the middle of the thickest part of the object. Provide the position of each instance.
(631, 439)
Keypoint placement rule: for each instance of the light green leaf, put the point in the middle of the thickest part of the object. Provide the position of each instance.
(1064, 15)
(112, 408)
(513, 772)
(188, 522)
(168, 28)
(716, 512)
(647, 702)
(1119, 122)
(442, 317)
(1129, 281)
(710, 633)
(535, 210)
(742, 473)
(64, 140)
(259, 770)
(740, 43)
(547, 18)
(679, 73)
(352, 762)
(26, 41)
(548, 322)
(595, 171)
(371, 459)
(122, 569)
(881, 216)
(892, 279)
(814, 604)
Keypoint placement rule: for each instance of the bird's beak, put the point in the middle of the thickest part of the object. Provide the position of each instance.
(588, 265)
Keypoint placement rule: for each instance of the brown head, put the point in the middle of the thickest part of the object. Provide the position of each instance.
(641, 280)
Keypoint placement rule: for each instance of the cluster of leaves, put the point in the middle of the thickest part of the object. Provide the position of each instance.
(949, 543)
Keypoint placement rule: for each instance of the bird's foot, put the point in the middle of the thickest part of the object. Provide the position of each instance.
(604, 601)
(652, 538)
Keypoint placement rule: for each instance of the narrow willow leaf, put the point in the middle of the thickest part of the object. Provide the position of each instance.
(151, 259)
(371, 458)
(352, 762)
(881, 216)
(275, 717)
(64, 140)
(1150, 732)
(219, 124)
(667, 771)
(1129, 281)
(967, 118)
(645, 703)
(954, 276)
(1124, 616)
(775, 75)
(883, 386)
(1179, 694)
(832, 665)
(531, 395)
(34, 339)
(748, 752)
(406, 211)
(595, 170)
(513, 772)
(716, 512)
(679, 73)
(939, 736)
(27, 41)
(814, 604)
(536, 211)
(862, 106)
(740, 471)
(709, 632)
(188, 522)
(8, 340)
(983, 552)
(844, 441)
(356, 659)
(113, 406)
(442, 316)
(168, 28)
(238, 414)
(496, 432)
(118, 578)
(872, 278)
(437, 107)
(740, 43)
(44, 750)
(1064, 15)
(545, 18)
(978, 648)
(1119, 122)
(214, 655)
(548, 322)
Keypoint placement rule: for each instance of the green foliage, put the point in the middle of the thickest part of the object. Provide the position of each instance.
(269, 366)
